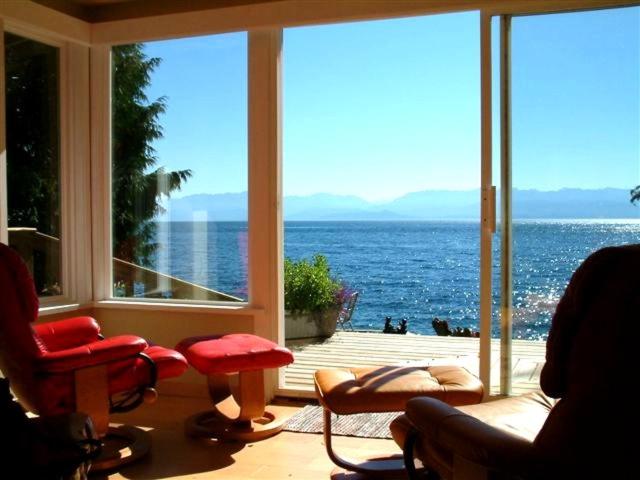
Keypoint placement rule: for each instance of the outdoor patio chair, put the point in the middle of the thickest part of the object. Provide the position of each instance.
(578, 427)
(344, 317)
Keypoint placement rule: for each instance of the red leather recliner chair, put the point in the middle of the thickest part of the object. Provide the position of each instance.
(66, 366)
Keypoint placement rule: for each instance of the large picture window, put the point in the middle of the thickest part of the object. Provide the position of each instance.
(381, 168)
(179, 185)
(33, 158)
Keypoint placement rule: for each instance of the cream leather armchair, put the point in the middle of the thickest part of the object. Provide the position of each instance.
(583, 422)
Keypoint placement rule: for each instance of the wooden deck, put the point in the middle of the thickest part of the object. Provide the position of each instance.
(348, 349)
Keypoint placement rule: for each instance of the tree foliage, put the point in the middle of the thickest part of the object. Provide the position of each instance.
(33, 155)
(32, 126)
(139, 186)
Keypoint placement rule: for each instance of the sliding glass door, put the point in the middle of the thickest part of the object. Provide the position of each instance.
(570, 161)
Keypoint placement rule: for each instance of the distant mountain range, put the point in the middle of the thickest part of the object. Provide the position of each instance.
(424, 205)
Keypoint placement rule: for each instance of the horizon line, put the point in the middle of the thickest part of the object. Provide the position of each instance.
(475, 189)
(423, 220)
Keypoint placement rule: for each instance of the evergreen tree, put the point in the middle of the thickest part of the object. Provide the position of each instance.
(32, 135)
(33, 156)
(138, 185)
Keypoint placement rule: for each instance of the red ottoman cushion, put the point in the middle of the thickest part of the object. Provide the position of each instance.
(233, 353)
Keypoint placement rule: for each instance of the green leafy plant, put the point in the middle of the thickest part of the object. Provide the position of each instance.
(309, 286)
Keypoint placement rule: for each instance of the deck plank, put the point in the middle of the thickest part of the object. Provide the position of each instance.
(347, 349)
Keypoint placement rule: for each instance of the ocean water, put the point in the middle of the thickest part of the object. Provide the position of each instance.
(411, 270)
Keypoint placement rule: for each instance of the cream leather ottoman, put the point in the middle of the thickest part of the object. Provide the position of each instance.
(347, 391)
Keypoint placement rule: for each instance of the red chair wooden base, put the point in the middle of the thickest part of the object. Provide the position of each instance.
(239, 409)
(234, 365)
(120, 446)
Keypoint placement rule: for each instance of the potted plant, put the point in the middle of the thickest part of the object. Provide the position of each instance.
(312, 298)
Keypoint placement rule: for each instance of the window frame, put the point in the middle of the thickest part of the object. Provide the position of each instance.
(73, 101)
(107, 294)
(66, 296)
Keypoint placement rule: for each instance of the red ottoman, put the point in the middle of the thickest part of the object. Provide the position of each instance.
(234, 365)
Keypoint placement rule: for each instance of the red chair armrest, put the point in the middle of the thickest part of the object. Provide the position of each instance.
(96, 353)
(68, 333)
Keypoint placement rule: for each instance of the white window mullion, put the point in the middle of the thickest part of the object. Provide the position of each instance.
(506, 242)
(266, 285)
(265, 176)
(66, 202)
(487, 204)
(76, 206)
(100, 68)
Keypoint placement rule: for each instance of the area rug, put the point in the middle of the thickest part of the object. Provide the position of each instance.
(366, 425)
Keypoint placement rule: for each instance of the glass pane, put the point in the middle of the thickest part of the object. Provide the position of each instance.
(576, 158)
(180, 169)
(381, 176)
(33, 158)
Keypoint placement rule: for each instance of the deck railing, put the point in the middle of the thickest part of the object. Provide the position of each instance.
(130, 280)
(159, 285)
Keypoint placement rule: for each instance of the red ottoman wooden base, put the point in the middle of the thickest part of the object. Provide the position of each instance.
(234, 365)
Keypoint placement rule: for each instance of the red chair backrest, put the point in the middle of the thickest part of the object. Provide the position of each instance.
(19, 346)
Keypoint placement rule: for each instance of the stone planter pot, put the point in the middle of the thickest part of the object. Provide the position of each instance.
(310, 325)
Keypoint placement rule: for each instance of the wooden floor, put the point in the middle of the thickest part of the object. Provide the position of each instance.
(286, 456)
(348, 349)
(297, 455)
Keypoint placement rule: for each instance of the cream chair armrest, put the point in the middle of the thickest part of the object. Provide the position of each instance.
(468, 437)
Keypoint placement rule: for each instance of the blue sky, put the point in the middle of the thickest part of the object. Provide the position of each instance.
(378, 109)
